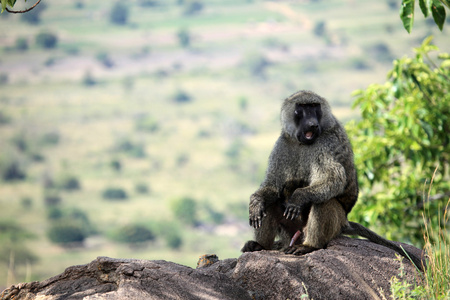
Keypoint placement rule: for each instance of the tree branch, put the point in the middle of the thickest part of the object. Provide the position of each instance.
(21, 11)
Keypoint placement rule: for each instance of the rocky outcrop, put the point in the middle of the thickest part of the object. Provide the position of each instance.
(347, 269)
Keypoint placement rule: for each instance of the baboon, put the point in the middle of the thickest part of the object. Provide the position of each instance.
(310, 185)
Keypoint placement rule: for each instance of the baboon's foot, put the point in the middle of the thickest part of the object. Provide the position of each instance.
(251, 246)
(299, 249)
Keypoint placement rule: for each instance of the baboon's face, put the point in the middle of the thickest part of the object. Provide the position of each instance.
(307, 119)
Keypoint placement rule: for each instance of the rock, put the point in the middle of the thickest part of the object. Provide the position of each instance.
(347, 269)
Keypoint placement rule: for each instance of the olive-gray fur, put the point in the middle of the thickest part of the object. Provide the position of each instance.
(316, 184)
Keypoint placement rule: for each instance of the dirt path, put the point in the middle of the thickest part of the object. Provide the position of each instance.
(289, 13)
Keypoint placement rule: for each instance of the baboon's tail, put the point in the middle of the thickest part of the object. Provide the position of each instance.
(357, 229)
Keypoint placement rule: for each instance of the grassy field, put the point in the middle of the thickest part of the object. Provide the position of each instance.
(244, 58)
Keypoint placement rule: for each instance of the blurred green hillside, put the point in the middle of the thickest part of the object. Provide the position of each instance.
(140, 131)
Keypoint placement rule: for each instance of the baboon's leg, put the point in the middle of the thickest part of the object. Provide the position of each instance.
(266, 233)
(325, 222)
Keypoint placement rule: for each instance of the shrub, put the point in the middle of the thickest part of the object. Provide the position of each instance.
(130, 148)
(116, 165)
(105, 60)
(88, 79)
(12, 171)
(173, 239)
(185, 210)
(65, 233)
(50, 138)
(21, 44)
(181, 97)
(112, 193)
(319, 28)
(184, 38)
(257, 64)
(4, 118)
(70, 183)
(192, 8)
(142, 188)
(119, 14)
(3, 78)
(26, 202)
(147, 123)
(46, 40)
(54, 213)
(133, 234)
(34, 16)
(52, 199)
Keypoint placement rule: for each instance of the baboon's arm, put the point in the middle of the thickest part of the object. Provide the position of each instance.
(328, 180)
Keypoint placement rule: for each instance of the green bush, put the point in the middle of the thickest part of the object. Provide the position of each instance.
(34, 15)
(173, 240)
(105, 59)
(400, 143)
(130, 148)
(119, 14)
(4, 118)
(88, 79)
(182, 97)
(3, 78)
(192, 8)
(52, 199)
(184, 38)
(185, 210)
(112, 193)
(65, 233)
(257, 64)
(142, 188)
(147, 123)
(116, 165)
(133, 234)
(46, 40)
(12, 171)
(70, 183)
(21, 44)
(50, 139)
(54, 213)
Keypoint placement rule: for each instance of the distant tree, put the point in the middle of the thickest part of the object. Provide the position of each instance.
(112, 193)
(46, 40)
(34, 16)
(21, 44)
(133, 234)
(320, 28)
(88, 79)
(11, 171)
(105, 59)
(184, 38)
(119, 14)
(66, 233)
(257, 64)
(182, 96)
(192, 8)
(185, 210)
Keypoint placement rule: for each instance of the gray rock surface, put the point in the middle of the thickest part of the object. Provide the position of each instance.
(347, 269)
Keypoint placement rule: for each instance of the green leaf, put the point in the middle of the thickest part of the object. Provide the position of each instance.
(407, 14)
(11, 3)
(3, 6)
(425, 6)
(438, 12)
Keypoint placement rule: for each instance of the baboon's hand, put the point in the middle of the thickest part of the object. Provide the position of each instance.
(256, 213)
(292, 211)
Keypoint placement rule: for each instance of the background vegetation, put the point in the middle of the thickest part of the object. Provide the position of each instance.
(116, 121)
